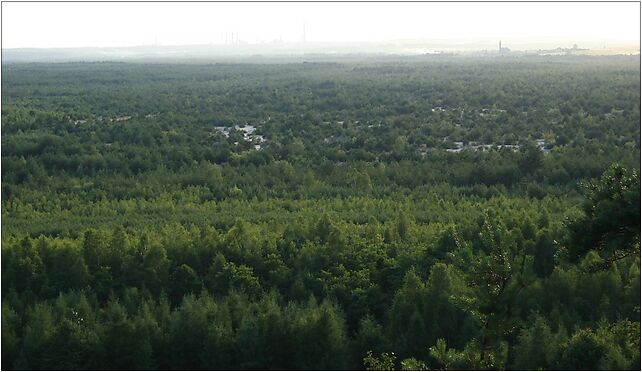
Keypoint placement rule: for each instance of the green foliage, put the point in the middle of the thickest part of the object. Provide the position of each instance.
(584, 351)
(611, 225)
(385, 362)
(10, 336)
(412, 364)
(538, 346)
(452, 359)
(137, 235)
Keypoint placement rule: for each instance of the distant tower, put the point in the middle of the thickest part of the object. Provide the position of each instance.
(303, 39)
(500, 46)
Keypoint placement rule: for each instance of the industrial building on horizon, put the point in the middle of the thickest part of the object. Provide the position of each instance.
(504, 49)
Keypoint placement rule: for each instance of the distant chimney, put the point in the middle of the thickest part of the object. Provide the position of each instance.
(500, 46)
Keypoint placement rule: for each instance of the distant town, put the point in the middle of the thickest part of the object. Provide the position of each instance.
(233, 47)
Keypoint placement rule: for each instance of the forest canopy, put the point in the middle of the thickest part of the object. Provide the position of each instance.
(431, 213)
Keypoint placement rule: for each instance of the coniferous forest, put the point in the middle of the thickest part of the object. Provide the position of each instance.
(431, 212)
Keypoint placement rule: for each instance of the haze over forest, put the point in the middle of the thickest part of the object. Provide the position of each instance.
(118, 31)
(278, 49)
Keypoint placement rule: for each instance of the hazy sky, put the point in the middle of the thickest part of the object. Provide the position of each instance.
(129, 24)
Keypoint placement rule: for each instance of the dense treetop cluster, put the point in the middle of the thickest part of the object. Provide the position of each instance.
(311, 215)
